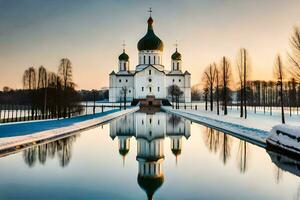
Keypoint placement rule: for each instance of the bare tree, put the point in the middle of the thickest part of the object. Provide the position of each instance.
(279, 75)
(217, 88)
(29, 83)
(294, 55)
(175, 92)
(43, 84)
(29, 79)
(226, 77)
(210, 75)
(124, 91)
(65, 73)
(243, 71)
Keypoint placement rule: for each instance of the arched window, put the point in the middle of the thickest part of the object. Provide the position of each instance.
(149, 60)
(178, 66)
(150, 89)
(173, 66)
(144, 59)
(124, 66)
(154, 60)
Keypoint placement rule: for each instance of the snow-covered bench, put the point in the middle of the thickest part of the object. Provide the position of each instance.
(285, 138)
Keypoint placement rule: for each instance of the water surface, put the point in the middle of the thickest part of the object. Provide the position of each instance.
(139, 156)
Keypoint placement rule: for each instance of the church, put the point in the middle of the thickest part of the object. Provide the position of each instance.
(150, 79)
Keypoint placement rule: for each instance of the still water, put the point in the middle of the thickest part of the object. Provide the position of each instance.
(140, 156)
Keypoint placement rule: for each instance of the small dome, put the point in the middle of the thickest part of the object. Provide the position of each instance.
(176, 152)
(124, 56)
(150, 184)
(176, 55)
(123, 152)
(150, 41)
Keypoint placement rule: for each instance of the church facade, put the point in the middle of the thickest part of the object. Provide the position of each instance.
(149, 78)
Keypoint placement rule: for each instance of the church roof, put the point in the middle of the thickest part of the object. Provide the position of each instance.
(123, 152)
(176, 55)
(187, 73)
(113, 73)
(150, 41)
(176, 72)
(150, 184)
(176, 152)
(124, 56)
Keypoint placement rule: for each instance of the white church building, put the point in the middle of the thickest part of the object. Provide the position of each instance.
(150, 77)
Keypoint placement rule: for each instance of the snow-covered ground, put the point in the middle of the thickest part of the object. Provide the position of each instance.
(256, 127)
(17, 134)
(286, 137)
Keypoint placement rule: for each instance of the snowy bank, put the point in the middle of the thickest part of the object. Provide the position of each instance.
(285, 138)
(21, 135)
(226, 125)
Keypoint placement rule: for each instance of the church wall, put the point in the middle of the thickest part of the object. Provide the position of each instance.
(187, 91)
(116, 84)
(144, 80)
(178, 80)
(154, 123)
(112, 93)
(155, 57)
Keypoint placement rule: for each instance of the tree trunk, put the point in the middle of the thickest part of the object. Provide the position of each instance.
(241, 101)
(225, 87)
(211, 98)
(281, 101)
(218, 106)
(205, 97)
(245, 83)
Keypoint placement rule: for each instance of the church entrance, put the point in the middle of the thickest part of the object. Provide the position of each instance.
(150, 101)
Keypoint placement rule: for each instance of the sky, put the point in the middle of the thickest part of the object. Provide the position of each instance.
(90, 33)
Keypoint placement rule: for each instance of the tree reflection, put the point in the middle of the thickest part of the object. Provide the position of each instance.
(211, 139)
(174, 120)
(62, 148)
(243, 156)
(215, 141)
(225, 147)
(278, 174)
(30, 156)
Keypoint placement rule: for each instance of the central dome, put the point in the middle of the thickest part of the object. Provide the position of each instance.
(150, 41)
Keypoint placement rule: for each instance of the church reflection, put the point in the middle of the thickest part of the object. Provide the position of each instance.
(62, 149)
(150, 131)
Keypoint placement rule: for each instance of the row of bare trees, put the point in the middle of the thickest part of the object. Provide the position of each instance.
(283, 91)
(216, 81)
(51, 93)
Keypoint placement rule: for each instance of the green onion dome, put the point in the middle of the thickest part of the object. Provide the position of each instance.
(176, 55)
(176, 152)
(150, 184)
(123, 152)
(124, 56)
(150, 41)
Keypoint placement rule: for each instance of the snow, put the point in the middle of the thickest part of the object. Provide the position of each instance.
(256, 128)
(286, 137)
(16, 134)
(227, 124)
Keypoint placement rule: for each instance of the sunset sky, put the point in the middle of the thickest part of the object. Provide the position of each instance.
(90, 34)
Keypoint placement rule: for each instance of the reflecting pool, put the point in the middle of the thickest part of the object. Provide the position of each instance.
(149, 155)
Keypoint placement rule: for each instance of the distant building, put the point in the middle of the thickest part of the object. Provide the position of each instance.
(150, 78)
